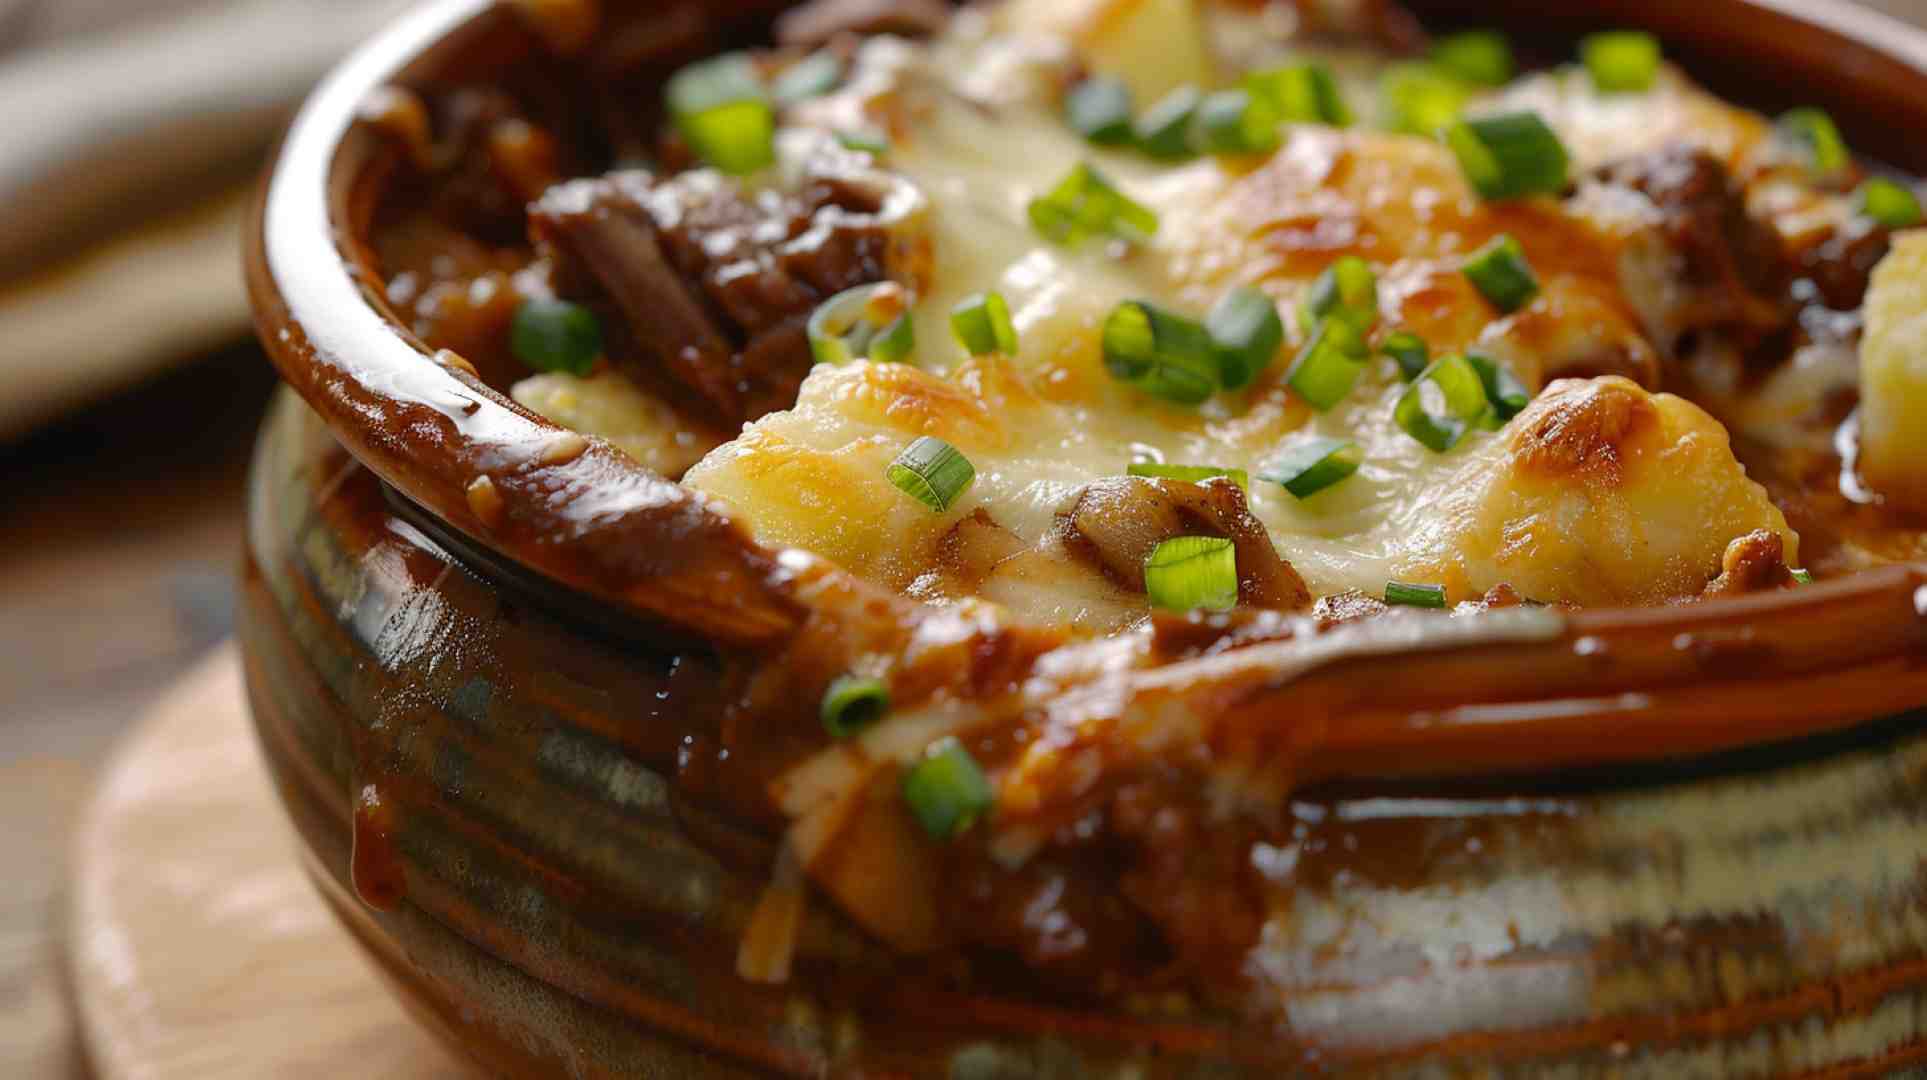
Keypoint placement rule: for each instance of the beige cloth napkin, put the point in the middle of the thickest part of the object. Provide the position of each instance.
(134, 128)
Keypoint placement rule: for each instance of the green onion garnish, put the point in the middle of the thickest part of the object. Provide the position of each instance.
(1400, 594)
(1301, 94)
(1085, 204)
(1500, 272)
(1190, 572)
(1802, 577)
(1235, 122)
(1190, 474)
(1348, 290)
(1329, 364)
(869, 321)
(932, 472)
(868, 140)
(1163, 354)
(1481, 57)
(1460, 404)
(1503, 390)
(1419, 99)
(1410, 352)
(813, 76)
(1099, 108)
(946, 790)
(852, 703)
(724, 113)
(1309, 468)
(1164, 130)
(982, 323)
(1814, 130)
(555, 335)
(1621, 61)
(1890, 203)
(1509, 156)
(1247, 333)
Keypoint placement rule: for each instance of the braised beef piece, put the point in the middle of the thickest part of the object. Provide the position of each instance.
(1191, 874)
(1752, 563)
(1735, 268)
(712, 287)
(1117, 522)
(1842, 261)
(1148, 888)
(1061, 914)
(819, 21)
(1385, 23)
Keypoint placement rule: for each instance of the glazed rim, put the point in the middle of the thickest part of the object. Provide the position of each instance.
(1552, 689)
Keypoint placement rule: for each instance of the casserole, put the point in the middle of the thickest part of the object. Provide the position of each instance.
(1137, 868)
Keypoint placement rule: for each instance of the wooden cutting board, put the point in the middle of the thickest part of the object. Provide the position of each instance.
(198, 948)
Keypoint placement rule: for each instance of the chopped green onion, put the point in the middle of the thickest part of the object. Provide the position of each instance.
(1099, 108)
(1301, 94)
(1163, 354)
(1503, 390)
(1164, 131)
(1481, 57)
(1420, 99)
(1247, 333)
(982, 323)
(868, 140)
(1500, 272)
(853, 703)
(1191, 474)
(1236, 122)
(1086, 204)
(1410, 352)
(1802, 577)
(932, 472)
(813, 76)
(1329, 364)
(555, 335)
(1890, 203)
(947, 790)
(1814, 131)
(1190, 572)
(1348, 290)
(1509, 156)
(1400, 594)
(1309, 468)
(1462, 404)
(724, 113)
(1621, 61)
(867, 322)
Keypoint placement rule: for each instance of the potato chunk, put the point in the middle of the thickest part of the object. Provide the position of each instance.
(1893, 375)
(1601, 493)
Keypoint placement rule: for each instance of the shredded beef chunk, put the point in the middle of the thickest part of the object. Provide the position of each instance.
(712, 287)
(1841, 264)
(819, 21)
(1116, 523)
(1752, 563)
(1734, 269)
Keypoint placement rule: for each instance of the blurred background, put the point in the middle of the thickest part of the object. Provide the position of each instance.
(129, 393)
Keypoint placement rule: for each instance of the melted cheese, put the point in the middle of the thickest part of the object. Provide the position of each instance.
(610, 406)
(1041, 425)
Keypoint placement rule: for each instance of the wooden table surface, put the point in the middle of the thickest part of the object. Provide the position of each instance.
(118, 543)
(118, 539)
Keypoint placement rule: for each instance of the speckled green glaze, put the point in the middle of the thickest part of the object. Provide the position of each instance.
(1762, 914)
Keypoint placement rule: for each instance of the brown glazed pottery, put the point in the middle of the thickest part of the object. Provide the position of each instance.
(473, 729)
